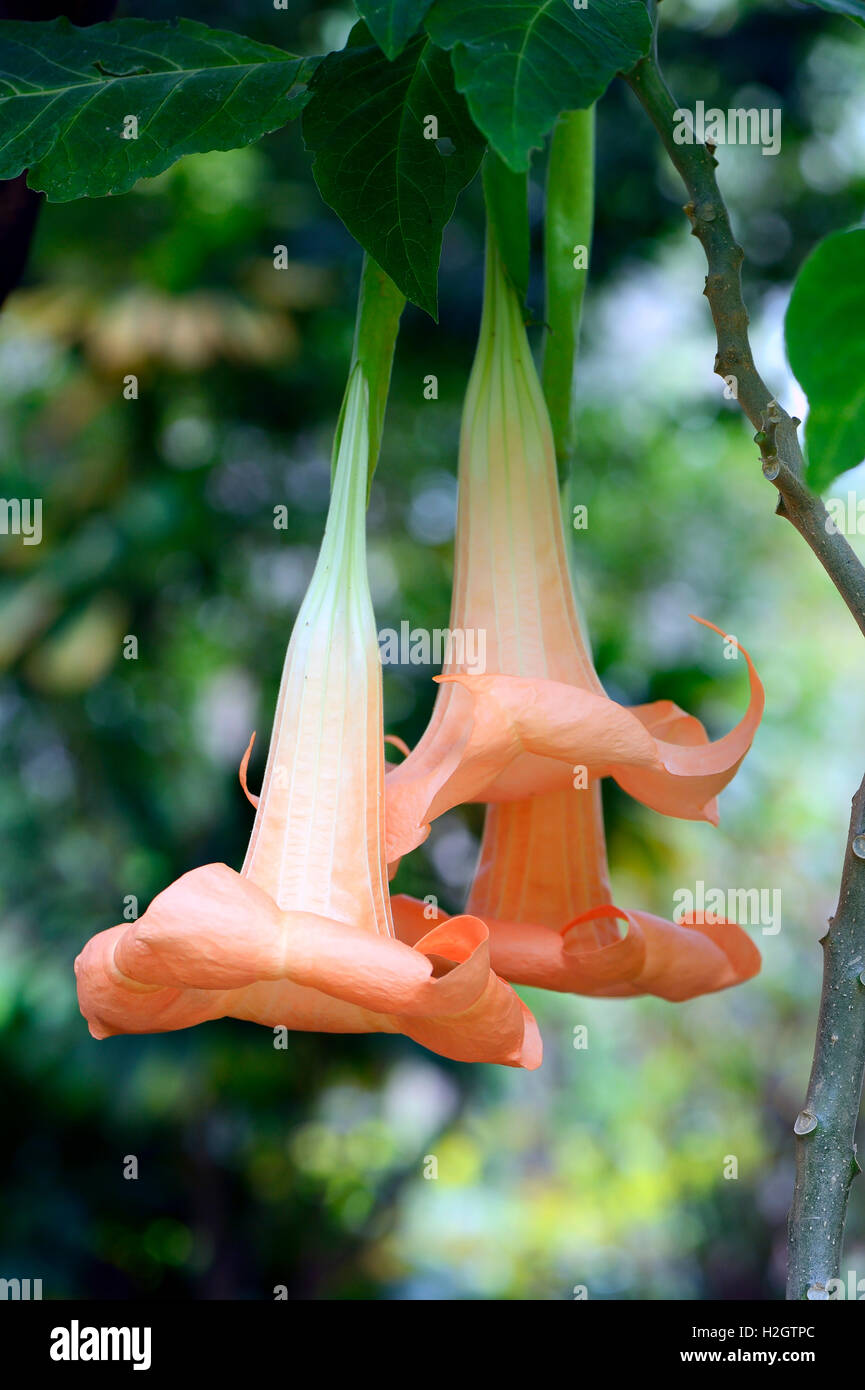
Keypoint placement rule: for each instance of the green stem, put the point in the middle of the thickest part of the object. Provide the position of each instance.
(506, 196)
(568, 225)
(379, 307)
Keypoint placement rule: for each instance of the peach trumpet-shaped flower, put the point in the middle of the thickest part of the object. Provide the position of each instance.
(303, 936)
(540, 710)
(515, 736)
(542, 888)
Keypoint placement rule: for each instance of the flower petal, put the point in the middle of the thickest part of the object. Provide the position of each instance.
(504, 738)
(113, 1004)
(683, 960)
(216, 930)
(695, 770)
(414, 786)
(543, 859)
(243, 770)
(652, 956)
(497, 1025)
(678, 776)
(214, 944)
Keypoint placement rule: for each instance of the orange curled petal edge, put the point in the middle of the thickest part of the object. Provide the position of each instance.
(214, 944)
(650, 956)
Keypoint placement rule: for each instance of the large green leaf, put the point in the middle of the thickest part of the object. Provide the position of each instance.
(520, 63)
(825, 331)
(392, 22)
(367, 123)
(853, 9)
(66, 94)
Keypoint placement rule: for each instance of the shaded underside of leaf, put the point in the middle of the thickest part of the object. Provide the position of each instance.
(66, 96)
(825, 335)
(853, 9)
(520, 63)
(392, 22)
(376, 161)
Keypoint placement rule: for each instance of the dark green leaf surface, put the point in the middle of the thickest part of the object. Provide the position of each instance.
(394, 189)
(520, 63)
(854, 9)
(825, 332)
(392, 22)
(65, 94)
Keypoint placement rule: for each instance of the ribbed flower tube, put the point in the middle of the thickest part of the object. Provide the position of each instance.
(316, 844)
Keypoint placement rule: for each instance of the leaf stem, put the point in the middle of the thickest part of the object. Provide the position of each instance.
(506, 197)
(568, 225)
(379, 307)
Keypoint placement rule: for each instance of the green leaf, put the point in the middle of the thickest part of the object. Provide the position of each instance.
(520, 63)
(392, 22)
(66, 94)
(395, 189)
(853, 9)
(825, 332)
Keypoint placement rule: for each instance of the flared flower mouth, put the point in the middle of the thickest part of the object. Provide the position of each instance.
(515, 736)
(533, 736)
(303, 937)
(611, 953)
(213, 945)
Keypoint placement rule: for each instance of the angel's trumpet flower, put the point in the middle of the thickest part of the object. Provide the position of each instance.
(303, 937)
(516, 736)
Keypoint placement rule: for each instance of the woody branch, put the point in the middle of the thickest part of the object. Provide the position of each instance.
(825, 1128)
(776, 430)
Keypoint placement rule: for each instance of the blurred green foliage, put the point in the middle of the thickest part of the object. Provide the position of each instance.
(305, 1167)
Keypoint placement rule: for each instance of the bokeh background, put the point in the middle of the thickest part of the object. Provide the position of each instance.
(304, 1167)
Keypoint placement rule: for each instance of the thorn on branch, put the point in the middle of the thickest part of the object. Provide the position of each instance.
(766, 439)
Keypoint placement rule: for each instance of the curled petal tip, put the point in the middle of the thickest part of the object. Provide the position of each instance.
(244, 764)
(532, 1053)
(396, 742)
(704, 622)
